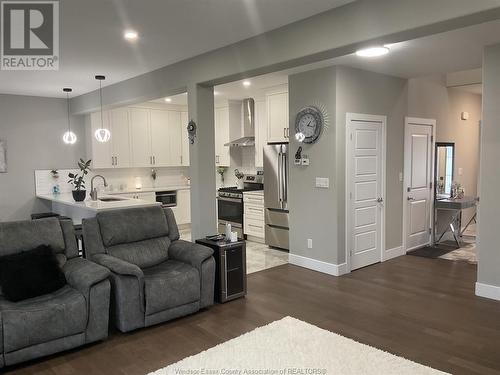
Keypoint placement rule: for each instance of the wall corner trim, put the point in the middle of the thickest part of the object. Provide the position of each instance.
(393, 253)
(318, 265)
(488, 291)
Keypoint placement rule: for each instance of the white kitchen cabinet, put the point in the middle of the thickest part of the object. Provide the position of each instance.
(120, 137)
(160, 138)
(253, 215)
(183, 210)
(222, 157)
(185, 139)
(140, 136)
(260, 132)
(116, 152)
(277, 117)
(175, 138)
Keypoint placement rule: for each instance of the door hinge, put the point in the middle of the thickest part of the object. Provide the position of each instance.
(351, 137)
(408, 189)
(430, 185)
(430, 230)
(350, 195)
(432, 139)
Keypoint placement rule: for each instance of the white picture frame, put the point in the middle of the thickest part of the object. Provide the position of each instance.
(3, 156)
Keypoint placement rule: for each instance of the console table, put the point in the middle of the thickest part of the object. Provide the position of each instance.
(455, 223)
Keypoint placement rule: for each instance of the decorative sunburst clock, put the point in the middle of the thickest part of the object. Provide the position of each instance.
(309, 124)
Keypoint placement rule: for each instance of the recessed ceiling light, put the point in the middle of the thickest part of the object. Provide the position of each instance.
(168, 100)
(246, 83)
(373, 51)
(130, 35)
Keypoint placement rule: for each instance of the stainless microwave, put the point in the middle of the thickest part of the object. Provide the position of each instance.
(167, 198)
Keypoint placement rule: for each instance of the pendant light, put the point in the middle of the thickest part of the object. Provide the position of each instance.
(69, 137)
(102, 134)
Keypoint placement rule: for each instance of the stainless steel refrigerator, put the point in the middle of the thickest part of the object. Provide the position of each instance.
(276, 195)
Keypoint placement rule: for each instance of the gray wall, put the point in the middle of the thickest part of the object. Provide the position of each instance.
(341, 90)
(430, 98)
(33, 128)
(488, 248)
(312, 210)
(359, 91)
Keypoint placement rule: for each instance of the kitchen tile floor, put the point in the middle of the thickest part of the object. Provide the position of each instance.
(259, 256)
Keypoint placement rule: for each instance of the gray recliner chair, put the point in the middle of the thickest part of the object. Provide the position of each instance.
(74, 315)
(155, 276)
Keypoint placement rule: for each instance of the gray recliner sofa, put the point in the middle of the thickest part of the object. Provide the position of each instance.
(74, 315)
(155, 276)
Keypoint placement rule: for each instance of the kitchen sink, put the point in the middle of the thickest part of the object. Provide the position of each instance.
(110, 199)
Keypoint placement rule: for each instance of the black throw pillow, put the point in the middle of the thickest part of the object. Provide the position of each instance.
(30, 274)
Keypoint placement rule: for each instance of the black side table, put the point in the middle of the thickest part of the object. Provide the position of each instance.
(231, 269)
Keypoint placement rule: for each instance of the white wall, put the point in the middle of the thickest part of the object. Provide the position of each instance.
(33, 128)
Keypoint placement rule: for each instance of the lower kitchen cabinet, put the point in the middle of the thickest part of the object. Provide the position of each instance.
(253, 219)
(182, 211)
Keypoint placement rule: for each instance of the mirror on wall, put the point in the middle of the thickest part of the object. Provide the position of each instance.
(445, 159)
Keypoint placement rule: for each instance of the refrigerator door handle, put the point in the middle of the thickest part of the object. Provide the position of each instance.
(284, 166)
(280, 180)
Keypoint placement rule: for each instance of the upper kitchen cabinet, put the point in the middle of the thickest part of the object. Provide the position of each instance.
(222, 157)
(185, 139)
(140, 137)
(277, 117)
(260, 131)
(116, 152)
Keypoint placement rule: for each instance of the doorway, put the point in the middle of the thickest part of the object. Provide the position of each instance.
(418, 186)
(365, 190)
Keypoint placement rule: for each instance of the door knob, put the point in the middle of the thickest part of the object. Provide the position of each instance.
(380, 200)
(410, 198)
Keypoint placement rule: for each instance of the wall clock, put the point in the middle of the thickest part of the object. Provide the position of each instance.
(309, 124)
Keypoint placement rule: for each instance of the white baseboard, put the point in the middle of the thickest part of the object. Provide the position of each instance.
(318, 265)
(394, 252)
(488, 291)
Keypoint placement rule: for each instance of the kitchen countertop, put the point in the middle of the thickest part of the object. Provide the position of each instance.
(147, 189)
(90, 205)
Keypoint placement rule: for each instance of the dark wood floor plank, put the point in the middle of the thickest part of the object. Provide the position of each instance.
(419, 308)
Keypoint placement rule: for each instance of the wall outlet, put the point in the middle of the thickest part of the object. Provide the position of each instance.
(322, 182)
(309, 243)
(305, 161)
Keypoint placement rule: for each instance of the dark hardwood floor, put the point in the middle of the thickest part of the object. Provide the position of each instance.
(422, 309)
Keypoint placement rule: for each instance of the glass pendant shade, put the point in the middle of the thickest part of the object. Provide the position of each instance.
(102, 134)
(69, 137)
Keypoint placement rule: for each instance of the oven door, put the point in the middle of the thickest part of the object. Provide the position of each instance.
(230, 210)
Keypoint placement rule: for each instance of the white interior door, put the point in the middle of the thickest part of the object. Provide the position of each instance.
(419, 138)
(365, 178)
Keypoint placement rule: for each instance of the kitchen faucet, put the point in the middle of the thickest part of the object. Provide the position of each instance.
(93, 191)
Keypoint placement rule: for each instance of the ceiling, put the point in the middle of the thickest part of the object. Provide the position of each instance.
(443, 53)
(170, 31)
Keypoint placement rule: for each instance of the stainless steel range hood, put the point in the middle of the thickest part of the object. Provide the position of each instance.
(248, 138)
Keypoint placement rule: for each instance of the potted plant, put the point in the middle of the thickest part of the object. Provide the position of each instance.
(78, 182)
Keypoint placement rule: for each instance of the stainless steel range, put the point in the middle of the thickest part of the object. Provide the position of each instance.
(230, 203)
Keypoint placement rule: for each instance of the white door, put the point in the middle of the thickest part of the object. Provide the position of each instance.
(140, 137)
(418, 182)
(120, 137)
(365, 179)
(185, 138)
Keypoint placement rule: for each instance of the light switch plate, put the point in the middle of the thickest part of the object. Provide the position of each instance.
(322, 182)
(460, 171)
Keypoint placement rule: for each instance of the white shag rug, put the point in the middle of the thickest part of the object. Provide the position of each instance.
(292, 347)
